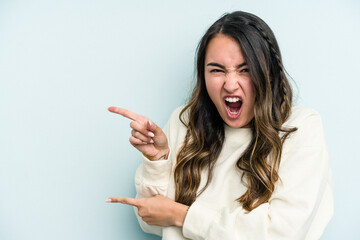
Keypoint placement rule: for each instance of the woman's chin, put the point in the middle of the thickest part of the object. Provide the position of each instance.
(238, 122)
(236, 125)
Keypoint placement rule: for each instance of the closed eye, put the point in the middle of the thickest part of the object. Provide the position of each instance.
(216, 71)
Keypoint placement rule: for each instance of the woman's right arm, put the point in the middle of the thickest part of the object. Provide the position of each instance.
(153, 175)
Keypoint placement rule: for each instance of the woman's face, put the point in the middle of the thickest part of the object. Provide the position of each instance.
(228, 81)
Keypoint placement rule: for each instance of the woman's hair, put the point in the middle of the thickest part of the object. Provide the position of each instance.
(205, 128)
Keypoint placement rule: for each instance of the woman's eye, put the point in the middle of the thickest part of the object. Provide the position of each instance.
(244, 70)
(216, 71)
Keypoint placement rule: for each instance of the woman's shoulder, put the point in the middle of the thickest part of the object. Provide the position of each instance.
(299, 115)
(176, 121)
(309, 126)
(175, 129)
(178, 114)
(178, 110)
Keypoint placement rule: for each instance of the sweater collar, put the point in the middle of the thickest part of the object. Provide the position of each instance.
(237, 136)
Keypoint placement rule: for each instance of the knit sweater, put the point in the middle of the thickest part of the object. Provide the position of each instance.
(299, 208)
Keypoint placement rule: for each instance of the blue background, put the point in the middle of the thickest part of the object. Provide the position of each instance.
(62, 63)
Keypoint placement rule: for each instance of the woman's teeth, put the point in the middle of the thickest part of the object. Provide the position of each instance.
(231, 111)
(234, 99)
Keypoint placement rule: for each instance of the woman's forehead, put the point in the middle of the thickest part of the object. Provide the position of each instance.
(224, 50)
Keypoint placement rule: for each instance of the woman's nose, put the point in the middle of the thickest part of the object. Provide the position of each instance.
(231, 83)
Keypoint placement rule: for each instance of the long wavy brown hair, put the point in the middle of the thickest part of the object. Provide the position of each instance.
(205, 135)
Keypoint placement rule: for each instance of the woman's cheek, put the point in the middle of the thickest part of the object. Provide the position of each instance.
(213, 89)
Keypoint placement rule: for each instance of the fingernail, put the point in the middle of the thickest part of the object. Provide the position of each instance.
(151, 134)
(150, 123)
(151, 141)
(144, 142)
(108, 200)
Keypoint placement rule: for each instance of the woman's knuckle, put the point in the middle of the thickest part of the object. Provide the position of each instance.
(142, 212)
(136, 134)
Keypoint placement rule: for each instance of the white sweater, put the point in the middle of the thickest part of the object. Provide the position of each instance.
(300, 207)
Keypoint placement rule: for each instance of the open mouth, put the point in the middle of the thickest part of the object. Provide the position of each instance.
(233, 106)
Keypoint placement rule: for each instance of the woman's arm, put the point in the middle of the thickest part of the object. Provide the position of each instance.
(152, 179)
(153, 175)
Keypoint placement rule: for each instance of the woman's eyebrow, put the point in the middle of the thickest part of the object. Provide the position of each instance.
(221, 66)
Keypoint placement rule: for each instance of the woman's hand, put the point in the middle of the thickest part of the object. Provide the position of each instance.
(157, 210)
(146, 136)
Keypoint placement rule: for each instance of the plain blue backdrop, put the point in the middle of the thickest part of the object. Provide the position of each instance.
(62, 63)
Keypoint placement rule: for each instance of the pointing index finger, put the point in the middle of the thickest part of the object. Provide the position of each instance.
(125, 113)
(125, 200)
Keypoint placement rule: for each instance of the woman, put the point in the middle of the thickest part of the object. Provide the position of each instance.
(238, 161)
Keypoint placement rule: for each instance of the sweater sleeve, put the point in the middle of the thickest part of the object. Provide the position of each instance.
(151, 178)
(299, 208)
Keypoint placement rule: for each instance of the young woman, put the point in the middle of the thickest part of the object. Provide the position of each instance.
(239, 161)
